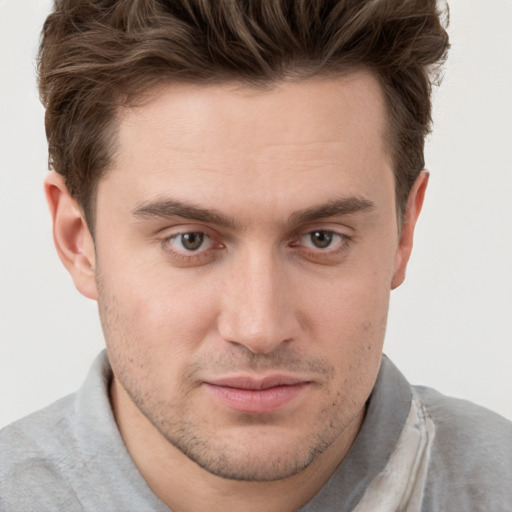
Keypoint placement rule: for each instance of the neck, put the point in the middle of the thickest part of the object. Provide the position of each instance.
(185, 487)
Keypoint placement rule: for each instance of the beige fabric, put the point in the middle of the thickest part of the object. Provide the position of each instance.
(399, 487)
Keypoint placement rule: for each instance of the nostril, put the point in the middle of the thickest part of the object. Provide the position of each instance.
(260, 344)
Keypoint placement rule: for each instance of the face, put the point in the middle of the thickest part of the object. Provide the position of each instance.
(246, 244)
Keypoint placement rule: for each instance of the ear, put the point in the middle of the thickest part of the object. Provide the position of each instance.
(71, 235)
(414, 204)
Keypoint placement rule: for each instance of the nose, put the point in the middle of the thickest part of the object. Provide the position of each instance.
(258, 310)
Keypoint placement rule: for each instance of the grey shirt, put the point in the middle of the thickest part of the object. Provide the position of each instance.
(417, 450)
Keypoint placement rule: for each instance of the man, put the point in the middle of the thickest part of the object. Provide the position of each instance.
(237, 185)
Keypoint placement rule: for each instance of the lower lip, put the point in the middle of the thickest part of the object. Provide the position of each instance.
(256, 401)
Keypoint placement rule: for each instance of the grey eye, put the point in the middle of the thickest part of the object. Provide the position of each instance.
(321, 239)
(192, 241)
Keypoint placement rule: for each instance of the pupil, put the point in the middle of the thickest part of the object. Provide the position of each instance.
(192, 241)
(321, 239)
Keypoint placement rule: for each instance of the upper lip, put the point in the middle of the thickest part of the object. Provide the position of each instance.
(257, 383)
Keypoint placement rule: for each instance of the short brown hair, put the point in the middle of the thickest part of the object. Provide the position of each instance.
(97, 55)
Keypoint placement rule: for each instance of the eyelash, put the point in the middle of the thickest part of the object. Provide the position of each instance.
(331, 254)
(205, 255)
(198, 255)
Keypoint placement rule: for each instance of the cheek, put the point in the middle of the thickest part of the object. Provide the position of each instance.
(351, 300)
(150, 318)
(347, 319)
(352, 323)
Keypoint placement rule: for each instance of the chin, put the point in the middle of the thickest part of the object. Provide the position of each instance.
(253, 453)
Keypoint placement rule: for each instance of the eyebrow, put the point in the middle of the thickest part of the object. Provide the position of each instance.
(167, 208)
(342, 206)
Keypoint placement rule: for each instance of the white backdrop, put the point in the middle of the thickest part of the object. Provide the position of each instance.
(451, 322)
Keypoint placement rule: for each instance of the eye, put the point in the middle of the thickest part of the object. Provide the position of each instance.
(189, 242)
(321, 239)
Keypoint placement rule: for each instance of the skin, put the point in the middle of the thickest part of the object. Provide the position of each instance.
(292, 191)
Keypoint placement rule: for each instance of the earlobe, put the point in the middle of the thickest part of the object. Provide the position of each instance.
(71, 235)
(414, 205)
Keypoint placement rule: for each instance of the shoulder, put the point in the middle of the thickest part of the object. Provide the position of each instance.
(34, 454)
(463, 424)
(45, 432)
(471, 459)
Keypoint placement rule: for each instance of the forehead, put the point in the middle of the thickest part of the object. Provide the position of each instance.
(230, 111)
(240, 140)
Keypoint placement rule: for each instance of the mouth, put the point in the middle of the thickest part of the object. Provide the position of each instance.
(257, 396)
